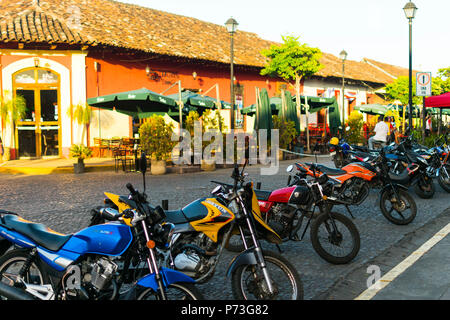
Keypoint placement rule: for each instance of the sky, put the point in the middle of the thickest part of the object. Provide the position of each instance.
(375, 29)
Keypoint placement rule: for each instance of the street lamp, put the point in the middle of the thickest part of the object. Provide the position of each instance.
(343, 56)
(410, 11)
(231, 25)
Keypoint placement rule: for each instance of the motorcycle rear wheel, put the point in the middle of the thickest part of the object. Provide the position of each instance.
(248, 283)
(406, 202)
(425, 191)
(332, 238)
(12, 262)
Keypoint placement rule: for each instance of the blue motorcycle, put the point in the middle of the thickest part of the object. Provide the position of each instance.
(95, 262)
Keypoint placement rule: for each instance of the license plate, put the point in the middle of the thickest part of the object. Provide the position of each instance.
(332, 153)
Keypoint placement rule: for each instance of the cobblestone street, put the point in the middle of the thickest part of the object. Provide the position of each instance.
(63, 202)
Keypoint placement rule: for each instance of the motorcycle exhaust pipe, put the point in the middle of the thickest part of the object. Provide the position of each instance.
(13, 293)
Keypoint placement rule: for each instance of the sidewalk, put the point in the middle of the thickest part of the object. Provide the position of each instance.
(50, 166)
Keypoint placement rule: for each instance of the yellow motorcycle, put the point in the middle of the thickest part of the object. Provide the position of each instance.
(203, 229)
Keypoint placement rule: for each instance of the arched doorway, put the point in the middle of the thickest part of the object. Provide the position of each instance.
(38, 134)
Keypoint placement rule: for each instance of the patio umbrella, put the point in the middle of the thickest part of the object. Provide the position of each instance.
(291, 111)
(334, 117)
(142, 103)
(195, 101)
(264, 113)
(372, 109)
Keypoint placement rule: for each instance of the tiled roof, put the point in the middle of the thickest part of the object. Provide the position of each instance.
(389, 69)
(112, 23)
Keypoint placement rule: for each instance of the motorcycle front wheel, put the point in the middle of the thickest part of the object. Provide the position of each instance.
(248, 281)
(176, 291)
(399, 210)
(335, 238)
(444, 177)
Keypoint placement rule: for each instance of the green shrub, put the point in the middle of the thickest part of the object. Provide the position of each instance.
(156, 138)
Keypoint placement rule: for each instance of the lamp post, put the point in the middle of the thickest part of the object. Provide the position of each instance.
(343, 56)
(410, 11)
(231, 25)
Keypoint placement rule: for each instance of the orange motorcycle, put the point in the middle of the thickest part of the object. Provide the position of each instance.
(351, 186)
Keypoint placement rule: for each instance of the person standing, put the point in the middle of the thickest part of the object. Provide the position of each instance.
(428, 125)
(381, 131)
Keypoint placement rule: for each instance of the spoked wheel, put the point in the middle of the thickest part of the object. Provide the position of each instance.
(399, 210)
(248, 281)
(176, 291)
(444, 177)
(11, 264)
(425, 188)
(335, 238)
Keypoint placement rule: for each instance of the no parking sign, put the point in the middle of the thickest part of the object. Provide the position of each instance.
(423, 84)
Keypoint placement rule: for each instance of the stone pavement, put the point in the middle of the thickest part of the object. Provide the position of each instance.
(428, 278)
(63, 202)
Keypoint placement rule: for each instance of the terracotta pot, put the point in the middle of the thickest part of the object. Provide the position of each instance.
(158, 167)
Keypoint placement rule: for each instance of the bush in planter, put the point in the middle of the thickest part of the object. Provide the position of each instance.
(287, 132)
(355, 122)
(156, 141)
(80, 152)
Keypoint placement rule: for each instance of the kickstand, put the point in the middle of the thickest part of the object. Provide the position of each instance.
(279, 249)
(348, 209)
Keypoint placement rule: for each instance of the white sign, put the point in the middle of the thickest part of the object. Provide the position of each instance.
(423, 84)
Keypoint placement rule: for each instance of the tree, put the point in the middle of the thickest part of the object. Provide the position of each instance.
(292, 61)
(399, 90)
(441, 83)
(82, 114)
(12, 109)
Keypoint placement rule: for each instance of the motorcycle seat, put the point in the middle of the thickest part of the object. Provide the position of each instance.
(263, 195)
(176, 217)
(330, 171)
(37, 232)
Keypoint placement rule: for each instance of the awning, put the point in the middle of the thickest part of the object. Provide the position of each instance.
(441, 101)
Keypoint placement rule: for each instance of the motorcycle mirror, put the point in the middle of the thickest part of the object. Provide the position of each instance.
(290, 168)
(216, 189)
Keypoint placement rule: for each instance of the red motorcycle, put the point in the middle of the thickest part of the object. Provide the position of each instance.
(333, 236)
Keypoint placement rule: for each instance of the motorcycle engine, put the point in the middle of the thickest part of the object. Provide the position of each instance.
(352, 191)
(90, 280)
(281, 219)
(195, 256)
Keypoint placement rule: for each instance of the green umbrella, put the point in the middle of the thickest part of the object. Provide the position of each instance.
(142, 103)
(195, 101)
(334, 117)
(264, 113)
(291, 110)
(372, 109)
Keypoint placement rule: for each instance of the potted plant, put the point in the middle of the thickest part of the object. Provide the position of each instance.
(80, 152)
(287, 133)
(156, 140)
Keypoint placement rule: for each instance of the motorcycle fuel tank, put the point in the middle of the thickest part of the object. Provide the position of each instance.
(108, 239)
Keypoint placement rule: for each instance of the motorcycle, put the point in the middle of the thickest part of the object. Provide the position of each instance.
(284, 210)
(47, 265)
(203, 229)
(351, 186)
